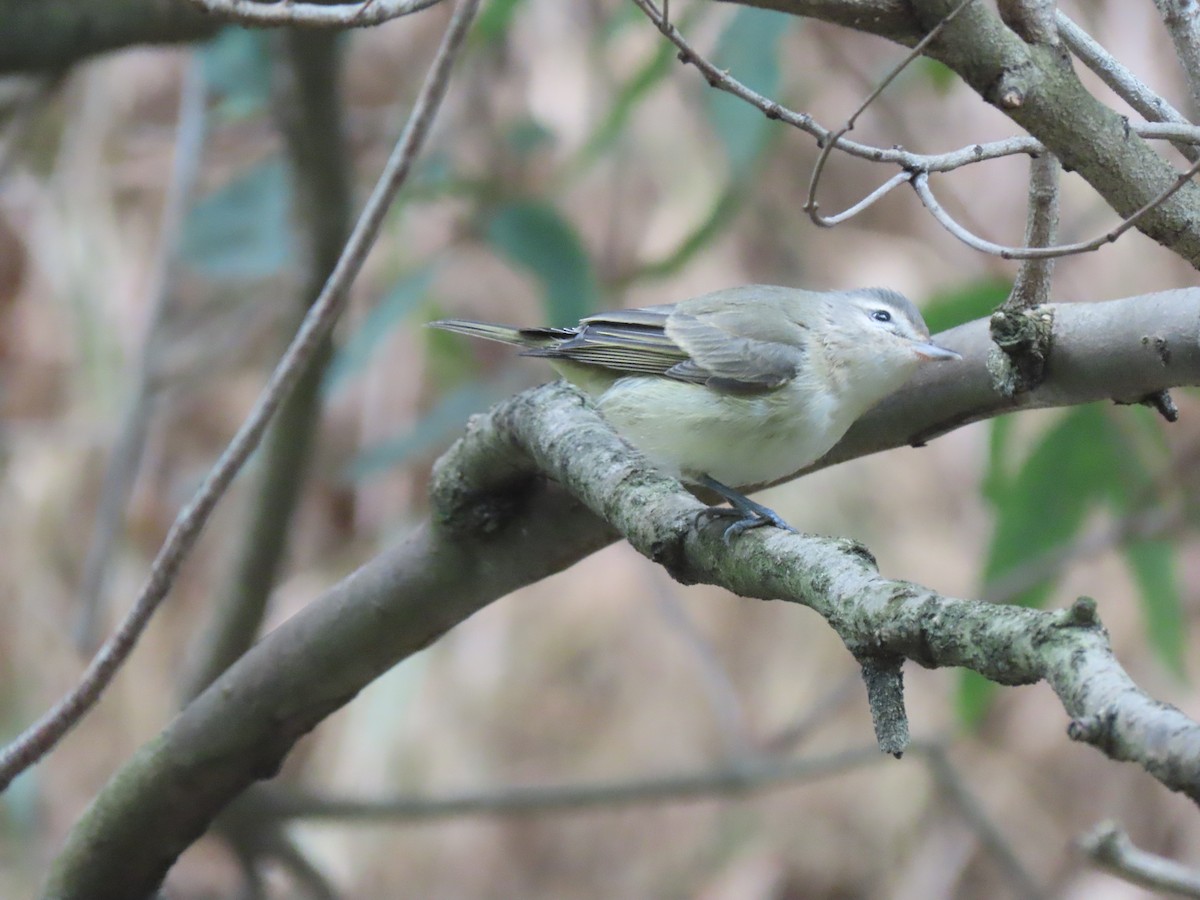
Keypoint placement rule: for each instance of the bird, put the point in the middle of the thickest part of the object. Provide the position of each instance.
(739, 387)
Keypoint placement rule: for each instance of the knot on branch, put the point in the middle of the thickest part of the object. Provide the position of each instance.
(1022, 340)
(1033, 21)
(1080, 614)
(884, 678)
(1099, 730)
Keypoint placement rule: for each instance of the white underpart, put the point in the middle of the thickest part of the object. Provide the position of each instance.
(692, 430)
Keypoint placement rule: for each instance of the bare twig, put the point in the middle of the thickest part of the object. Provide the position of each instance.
(1032, 285)
(810, 204)
(45, 733)
(125, 459)
(954, 788)
(1184, 27)
(917, 162)
(1124, 83)
(1109, 846)
(739, 776)
(920, 183)
(331, 15)
(727, 708)
(917, 166)
(308, 109)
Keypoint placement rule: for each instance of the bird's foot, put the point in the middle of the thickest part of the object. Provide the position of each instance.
(745, 512)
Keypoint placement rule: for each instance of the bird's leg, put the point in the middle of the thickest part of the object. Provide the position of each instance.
(747, 513)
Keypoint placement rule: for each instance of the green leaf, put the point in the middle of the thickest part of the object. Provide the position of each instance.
(1152, 563)
(354, 355)
(494, 20)
(749, 49)
(241, 231)
(1070, 469)
(973, 698)
(965, 303)
(237, 69)
(534, 236)
(1039, 511)
(939, 75)
(996, 480)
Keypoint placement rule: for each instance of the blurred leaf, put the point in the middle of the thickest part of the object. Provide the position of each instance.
(996, 479)
(436, 428)
(1041, 510)
(534, 236)
(495, 18)
(973, 697)
(354, 355)
(1152, 563)
(937, 74)
(634, 89)
(965, 303)
(526, 136)
(237, 67)
(241, 230)
(749, 49)
(1073, 466)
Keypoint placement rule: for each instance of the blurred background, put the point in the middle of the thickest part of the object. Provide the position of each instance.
(576, 165)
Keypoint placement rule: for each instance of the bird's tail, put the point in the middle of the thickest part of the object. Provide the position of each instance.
(529, 338)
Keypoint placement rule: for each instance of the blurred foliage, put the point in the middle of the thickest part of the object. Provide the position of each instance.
(241, 230)
(965, 303)
(392, 311)
(1040, 510)
(537, 238)
(748, 48)
(237, 68)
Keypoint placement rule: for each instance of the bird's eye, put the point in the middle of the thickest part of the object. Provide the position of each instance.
(881, 315)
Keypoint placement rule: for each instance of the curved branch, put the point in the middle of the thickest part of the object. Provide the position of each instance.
(358, 14)
(499, 524)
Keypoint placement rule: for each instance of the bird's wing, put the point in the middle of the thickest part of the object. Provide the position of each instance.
(627, 341)
(731, 360)
(704, 348)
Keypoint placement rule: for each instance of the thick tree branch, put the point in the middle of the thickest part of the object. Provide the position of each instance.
(51, 35)
(498, 524)
(1035, 85)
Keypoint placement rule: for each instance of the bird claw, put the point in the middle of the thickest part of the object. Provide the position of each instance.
(745, 520)
(747, 513)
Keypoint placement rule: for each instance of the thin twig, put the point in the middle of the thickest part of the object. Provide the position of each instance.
(1111, 848)
(916, 162)
(35, 742)
(886, 188)
(1032, 285)
(726, 705)
(740, 776)
(1179, 16)
(954, 788)
(1123, 83)
(810, 204)
(125, 459)
(333, 15)
(920, 183)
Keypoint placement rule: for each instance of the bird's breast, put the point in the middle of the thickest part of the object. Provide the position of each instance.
(739, 440)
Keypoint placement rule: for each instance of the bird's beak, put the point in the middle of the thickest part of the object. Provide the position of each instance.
(930, 350)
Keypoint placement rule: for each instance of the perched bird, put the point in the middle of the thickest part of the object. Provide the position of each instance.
(739, 387)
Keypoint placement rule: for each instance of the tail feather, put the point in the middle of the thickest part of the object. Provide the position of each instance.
(529, 338)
